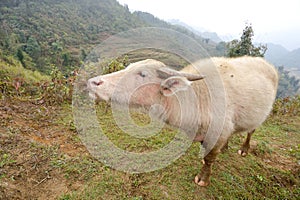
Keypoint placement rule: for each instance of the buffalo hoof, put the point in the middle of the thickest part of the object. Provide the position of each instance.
(201, 183)
(242, 153)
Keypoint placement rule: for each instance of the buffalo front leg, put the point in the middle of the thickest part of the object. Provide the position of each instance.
(203, 178)
(245, 147)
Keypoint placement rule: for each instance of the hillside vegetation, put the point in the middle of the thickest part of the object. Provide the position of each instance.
(62, 33)
(41, 33)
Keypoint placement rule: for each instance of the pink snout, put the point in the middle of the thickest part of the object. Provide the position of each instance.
(94, 82)
(98, 89)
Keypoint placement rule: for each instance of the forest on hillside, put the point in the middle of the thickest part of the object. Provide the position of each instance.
(62, 33)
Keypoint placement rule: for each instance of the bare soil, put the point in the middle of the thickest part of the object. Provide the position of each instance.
(29, 139)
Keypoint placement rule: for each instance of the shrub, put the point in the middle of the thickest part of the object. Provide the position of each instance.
(58, 90)
(289, 106)
(16, 81)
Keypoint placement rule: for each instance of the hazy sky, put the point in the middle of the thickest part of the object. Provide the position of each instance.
(274, 21)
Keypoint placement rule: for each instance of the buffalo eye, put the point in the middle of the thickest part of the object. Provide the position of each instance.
(142, 74)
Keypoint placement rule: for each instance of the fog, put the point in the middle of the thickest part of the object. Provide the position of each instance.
(272, 21)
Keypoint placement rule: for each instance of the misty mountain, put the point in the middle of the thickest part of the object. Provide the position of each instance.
(180, 23)
(211, 46)
(292, 59)
(275, 53)
(199, 31)
(280, 56)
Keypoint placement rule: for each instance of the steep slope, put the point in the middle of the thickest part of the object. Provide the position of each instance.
(59, 32)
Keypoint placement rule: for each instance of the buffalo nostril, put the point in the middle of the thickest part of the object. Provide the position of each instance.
(97, 83)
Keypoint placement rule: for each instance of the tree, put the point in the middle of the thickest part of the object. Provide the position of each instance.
(33, 48)
(20, 56)
(244, 46)
(83, 55)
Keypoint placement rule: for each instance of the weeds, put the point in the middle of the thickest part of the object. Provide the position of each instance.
(263, 147)
(295, 151)
(6, 160)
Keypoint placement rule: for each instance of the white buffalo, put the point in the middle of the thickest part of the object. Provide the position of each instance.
(248, 91)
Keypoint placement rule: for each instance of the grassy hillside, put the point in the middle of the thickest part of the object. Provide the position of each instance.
(42, 156)
(16, 80)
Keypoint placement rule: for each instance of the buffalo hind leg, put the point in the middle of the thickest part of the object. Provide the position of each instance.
(245, 147)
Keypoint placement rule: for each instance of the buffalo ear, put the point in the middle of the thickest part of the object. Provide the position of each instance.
(174, 84)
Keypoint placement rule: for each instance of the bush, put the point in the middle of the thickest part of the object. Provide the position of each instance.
(289, 106)
(18, 82)
(58, 90)
(115, 65)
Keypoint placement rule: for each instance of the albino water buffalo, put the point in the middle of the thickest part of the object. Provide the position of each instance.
(249, 90)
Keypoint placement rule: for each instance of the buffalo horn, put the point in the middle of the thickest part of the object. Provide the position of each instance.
(167, 72)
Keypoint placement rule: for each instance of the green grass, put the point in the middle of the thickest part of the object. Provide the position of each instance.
(270, 171)
(130, 143)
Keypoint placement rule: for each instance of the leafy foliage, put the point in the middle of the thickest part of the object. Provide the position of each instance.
(58, 90)
(115, 65)
(244, 46)
(288, 106)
